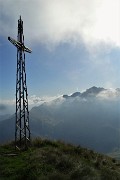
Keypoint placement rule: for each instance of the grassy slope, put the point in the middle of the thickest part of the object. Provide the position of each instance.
(56, 161)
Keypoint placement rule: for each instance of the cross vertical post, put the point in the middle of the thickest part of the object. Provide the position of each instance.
(22, 129)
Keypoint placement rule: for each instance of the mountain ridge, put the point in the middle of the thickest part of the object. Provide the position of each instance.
(94, 92)
(92, 120)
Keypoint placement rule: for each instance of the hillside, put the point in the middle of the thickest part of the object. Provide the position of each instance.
(51, 160)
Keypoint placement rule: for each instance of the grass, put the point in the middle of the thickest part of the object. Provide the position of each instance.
(51, 160)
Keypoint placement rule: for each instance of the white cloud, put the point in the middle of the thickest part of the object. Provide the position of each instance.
(56, 21)
(109, 94)
(8, 102)
(36, 100)
(92, 23)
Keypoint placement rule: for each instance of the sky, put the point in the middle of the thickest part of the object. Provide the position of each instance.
(75, 45)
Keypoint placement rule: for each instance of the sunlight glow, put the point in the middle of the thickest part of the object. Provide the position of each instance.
(107, 23)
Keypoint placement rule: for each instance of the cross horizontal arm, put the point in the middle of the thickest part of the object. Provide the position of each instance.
(27, 49)
(19, 45)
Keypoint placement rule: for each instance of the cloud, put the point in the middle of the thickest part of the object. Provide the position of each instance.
(36, 100)
(92, 25)
(54, 21)
(110, 94)
(8, 106)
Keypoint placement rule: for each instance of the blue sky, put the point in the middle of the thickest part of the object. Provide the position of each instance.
(75, 44)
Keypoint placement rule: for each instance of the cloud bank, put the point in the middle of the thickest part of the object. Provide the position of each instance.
(52, 21)
(91, 26)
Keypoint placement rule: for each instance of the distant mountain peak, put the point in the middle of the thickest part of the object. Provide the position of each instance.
(89, 92)
(92, 91)
(76, 94)
(95, 89)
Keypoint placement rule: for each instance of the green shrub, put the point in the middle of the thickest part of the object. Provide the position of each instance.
(83, 172)
(58, 176)
(38, 142)
(109, 174)
(65, 164)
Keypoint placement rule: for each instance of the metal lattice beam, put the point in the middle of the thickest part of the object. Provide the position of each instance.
(22, 129)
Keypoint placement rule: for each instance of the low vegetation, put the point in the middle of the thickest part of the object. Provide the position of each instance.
(55, 160)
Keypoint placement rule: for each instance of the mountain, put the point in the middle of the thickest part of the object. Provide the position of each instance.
(90, 118)
(4, 117)
(53, 160)
(91, 92)
(7, 129)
